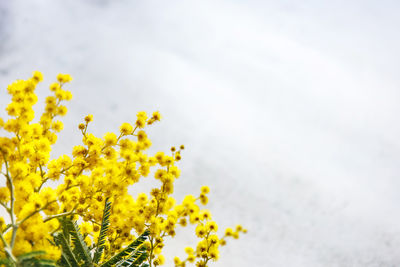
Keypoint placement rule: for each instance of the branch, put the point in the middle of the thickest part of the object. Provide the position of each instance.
(72, 212)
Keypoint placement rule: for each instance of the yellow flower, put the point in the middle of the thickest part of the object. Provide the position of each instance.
(160, 260)
(205, 215)
(177, 261)
(126, 128)
(4, 194)
(48, 194)
(37, 76)
(205, 189)
(142, 115)
(214, 254)
(200, 230)
(110, 139)
(140, 123)
(21, 247)
(54, 87)
(203, 199)
(228, 231)
(64, 78)
(2, 223)
(141, 135)
(86, 228)
(156, 116)
(189, 250)
(99, 169)
(89, 118)
(211, 226)
(52, 252)
(61, 110)
(191, 258)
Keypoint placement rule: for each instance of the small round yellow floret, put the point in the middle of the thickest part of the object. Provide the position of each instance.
(126, 128)
(88, 118)
(205, 189)
(64, 78)
(37, 76)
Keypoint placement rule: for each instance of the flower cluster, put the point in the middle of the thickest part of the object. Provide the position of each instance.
(100, 169)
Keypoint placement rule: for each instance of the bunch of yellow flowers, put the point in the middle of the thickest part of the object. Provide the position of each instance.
(92, 188)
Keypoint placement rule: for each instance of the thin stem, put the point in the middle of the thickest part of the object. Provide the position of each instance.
(43, 182)
(8, 247)
(11, 211)
(72, 212)
(151, 252)
(5, 206)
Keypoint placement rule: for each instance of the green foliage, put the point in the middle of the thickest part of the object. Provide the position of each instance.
(67, 256)
(33, 262)
(128, 250)
(30, 255)
(135, 259)
(76, 253)
(80, 251)
(5, 262)
(29, 260)
(103, 232)
(100, 168)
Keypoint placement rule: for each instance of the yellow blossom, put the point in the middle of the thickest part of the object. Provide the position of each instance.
(97, 170)
(126, 128)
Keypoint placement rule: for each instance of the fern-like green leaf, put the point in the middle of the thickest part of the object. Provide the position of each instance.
(135, 258)
(81, 250)
(34, 262)
(45, 263)
(67, 254)
(29, 260)
(103, 232)
(64, 262)
(64, 226)
(30, 255)
(141, 257)
(129, 249)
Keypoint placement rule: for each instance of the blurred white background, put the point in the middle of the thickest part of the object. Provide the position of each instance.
(288, 109)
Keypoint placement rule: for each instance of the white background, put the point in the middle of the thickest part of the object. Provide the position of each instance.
(288, 109)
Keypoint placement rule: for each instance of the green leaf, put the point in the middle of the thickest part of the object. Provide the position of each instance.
(135, 259)
(29, 260)
(130, 248)
(139, 258)
(6, 262)
(45, 263)
(64, 226)
(33, 262)
(103, 232)
(67, 254)
(64, 262)
(142, 256)
(29, 255)
(81, 250)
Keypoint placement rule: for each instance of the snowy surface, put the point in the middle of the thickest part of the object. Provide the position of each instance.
(288, 109)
